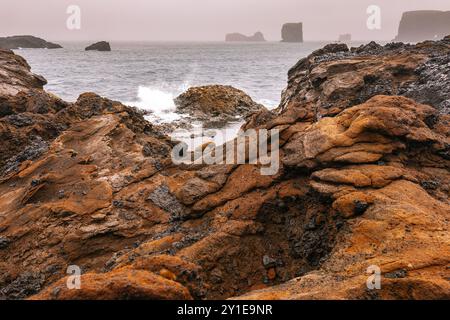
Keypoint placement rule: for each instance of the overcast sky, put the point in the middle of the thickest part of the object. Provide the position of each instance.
(203, 19)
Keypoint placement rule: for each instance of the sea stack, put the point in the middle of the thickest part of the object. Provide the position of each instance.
(99, 46)
(238, 37)
(16, 42)
(292, 32)
(423, 25)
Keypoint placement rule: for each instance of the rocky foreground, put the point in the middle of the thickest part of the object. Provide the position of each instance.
(364, 181)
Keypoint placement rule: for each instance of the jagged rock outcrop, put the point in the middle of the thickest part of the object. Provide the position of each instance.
(16, 42)
(238, 37)
(363, 181)
(292, 32)
(334, 78)
(99, 46)
(423, 25)
(16, 76)
(216, 105)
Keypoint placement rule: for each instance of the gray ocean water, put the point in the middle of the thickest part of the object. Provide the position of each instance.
(149, 74)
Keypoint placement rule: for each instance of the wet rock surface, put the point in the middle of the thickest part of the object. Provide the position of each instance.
(363, 181)
(216, 105)
(433, 84)
(335, 77)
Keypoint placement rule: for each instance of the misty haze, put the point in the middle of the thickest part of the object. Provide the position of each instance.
(200, 20)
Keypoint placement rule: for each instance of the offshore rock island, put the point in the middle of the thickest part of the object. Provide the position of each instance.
(364, 180)
(238, 37)
(423, 25)
(292, 32)
(99, 46)
(16, 42)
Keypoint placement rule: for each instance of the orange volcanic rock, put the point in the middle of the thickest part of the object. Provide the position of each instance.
(16, 75)
(363, 182)
(124, 283)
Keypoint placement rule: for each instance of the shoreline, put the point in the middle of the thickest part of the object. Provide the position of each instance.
(362, 182)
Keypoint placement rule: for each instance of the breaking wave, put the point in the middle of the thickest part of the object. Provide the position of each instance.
(159, 103)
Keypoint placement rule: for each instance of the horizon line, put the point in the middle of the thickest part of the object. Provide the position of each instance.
(216, 41)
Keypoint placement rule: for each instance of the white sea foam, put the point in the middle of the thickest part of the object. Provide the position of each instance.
(158, 102)
(198, 135)
(162, 107)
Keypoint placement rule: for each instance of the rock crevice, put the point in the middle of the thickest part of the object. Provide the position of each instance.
(363, 180)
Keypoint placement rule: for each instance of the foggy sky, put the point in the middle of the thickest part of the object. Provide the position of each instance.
(196, 20)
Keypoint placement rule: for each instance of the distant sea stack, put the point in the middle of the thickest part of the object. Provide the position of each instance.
(238, 37)
(345, 37)
(17, 42)
(292, 32)
(423, 25)
(99, 46)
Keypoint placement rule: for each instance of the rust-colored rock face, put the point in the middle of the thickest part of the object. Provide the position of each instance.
(16, 76)
(363, 183)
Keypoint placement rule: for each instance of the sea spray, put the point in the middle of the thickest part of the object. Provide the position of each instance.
(158, 102)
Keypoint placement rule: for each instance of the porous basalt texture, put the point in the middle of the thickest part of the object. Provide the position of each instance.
(334, 78)
(363, 181)
(216, 105)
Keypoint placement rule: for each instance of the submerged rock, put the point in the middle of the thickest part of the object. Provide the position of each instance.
(99, 46)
